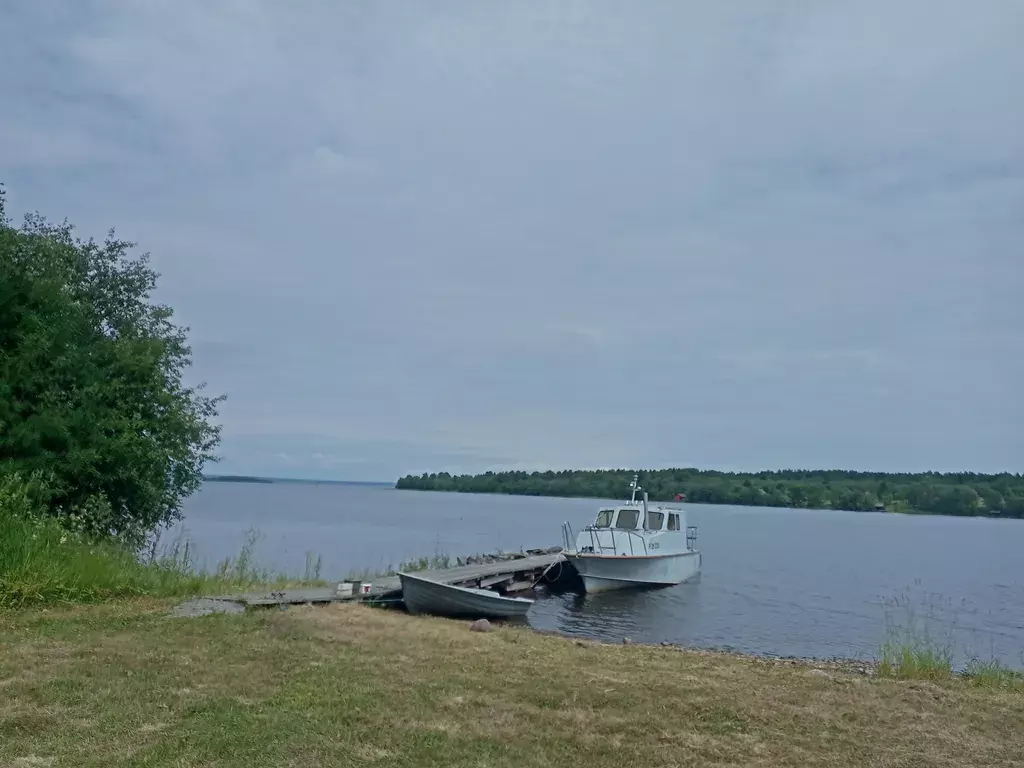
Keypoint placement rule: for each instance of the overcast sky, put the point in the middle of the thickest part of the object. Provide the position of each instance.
(470, 235)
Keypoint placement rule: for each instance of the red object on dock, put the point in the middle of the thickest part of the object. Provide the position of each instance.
(680, 496)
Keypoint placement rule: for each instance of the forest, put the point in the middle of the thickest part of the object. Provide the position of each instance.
(955, 493)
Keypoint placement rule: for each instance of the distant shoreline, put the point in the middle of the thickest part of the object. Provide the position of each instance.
(962, 494)
(303, 481)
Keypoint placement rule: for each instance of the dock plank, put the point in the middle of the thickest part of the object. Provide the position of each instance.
(478, 571)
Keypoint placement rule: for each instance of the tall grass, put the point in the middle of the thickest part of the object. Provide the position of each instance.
(993, 674)
(914, 659)
(42, 562)
(917, 660)
(920, 645)
(436, 561)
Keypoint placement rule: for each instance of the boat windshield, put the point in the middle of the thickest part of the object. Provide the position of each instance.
(655, 520)
(604, 518)
(628, 519)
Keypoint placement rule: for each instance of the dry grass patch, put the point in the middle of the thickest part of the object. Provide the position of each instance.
(348, 685)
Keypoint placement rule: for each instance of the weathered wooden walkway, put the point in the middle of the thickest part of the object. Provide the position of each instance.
(513, 575)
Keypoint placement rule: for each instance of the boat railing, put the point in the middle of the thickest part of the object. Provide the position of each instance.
(596, 547)
(568, 537)
(631, 536)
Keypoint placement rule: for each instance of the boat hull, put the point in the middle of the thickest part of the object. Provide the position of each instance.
(604, 573)
(423, 596)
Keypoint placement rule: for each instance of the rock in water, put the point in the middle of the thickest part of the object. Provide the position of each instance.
(626, 641)
(480, 625)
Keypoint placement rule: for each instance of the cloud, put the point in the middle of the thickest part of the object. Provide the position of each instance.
(469, 235)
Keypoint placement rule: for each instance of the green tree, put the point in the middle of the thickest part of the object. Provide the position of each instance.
(91, 390)
(958, 500)
(815, 497)
(992, 500)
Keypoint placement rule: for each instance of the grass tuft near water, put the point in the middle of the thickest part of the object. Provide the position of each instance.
(914, 660)
(992, 673)
(920, 645)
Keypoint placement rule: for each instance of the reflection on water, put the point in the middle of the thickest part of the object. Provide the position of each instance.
(636, 614)
(775, 581)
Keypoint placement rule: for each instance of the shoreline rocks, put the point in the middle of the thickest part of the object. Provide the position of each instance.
(817, 666)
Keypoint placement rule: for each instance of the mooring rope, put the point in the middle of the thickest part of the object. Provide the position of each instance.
(545, 573)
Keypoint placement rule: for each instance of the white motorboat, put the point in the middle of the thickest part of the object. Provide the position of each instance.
(422, 595)
(634, 545)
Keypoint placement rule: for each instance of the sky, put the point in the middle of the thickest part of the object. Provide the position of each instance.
(461, 236)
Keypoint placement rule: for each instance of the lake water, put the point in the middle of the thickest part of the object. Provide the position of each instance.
(775, 581)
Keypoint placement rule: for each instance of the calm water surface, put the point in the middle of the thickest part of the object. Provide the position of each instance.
(775, 581)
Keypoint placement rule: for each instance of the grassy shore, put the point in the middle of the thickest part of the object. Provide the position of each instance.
(123, 684)
(93, 672)
(45, 563)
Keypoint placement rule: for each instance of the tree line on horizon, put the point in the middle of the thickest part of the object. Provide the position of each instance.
(956, 493)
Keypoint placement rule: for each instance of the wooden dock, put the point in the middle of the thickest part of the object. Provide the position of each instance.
(509, 576)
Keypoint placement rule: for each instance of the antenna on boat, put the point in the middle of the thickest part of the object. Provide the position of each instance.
(634, 486)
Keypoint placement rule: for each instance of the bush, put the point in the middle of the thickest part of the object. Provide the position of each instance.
(92, 401)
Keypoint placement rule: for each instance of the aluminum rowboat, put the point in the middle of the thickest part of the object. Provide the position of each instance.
(422, 595)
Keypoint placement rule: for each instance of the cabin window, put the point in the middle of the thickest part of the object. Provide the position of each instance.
(655, 520)
(673, 522)
(604, 518)
(628, 518)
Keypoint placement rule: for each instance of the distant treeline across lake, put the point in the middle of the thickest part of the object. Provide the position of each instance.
(236, 479)
(954, 493)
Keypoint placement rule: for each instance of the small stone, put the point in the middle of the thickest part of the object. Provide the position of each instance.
(581, 644)
(481, 625)
(818, 672)
(203, 606)
(626, 641)
(666, 644)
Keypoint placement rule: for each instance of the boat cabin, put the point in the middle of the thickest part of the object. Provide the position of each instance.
(634, 529)
(632, 518)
